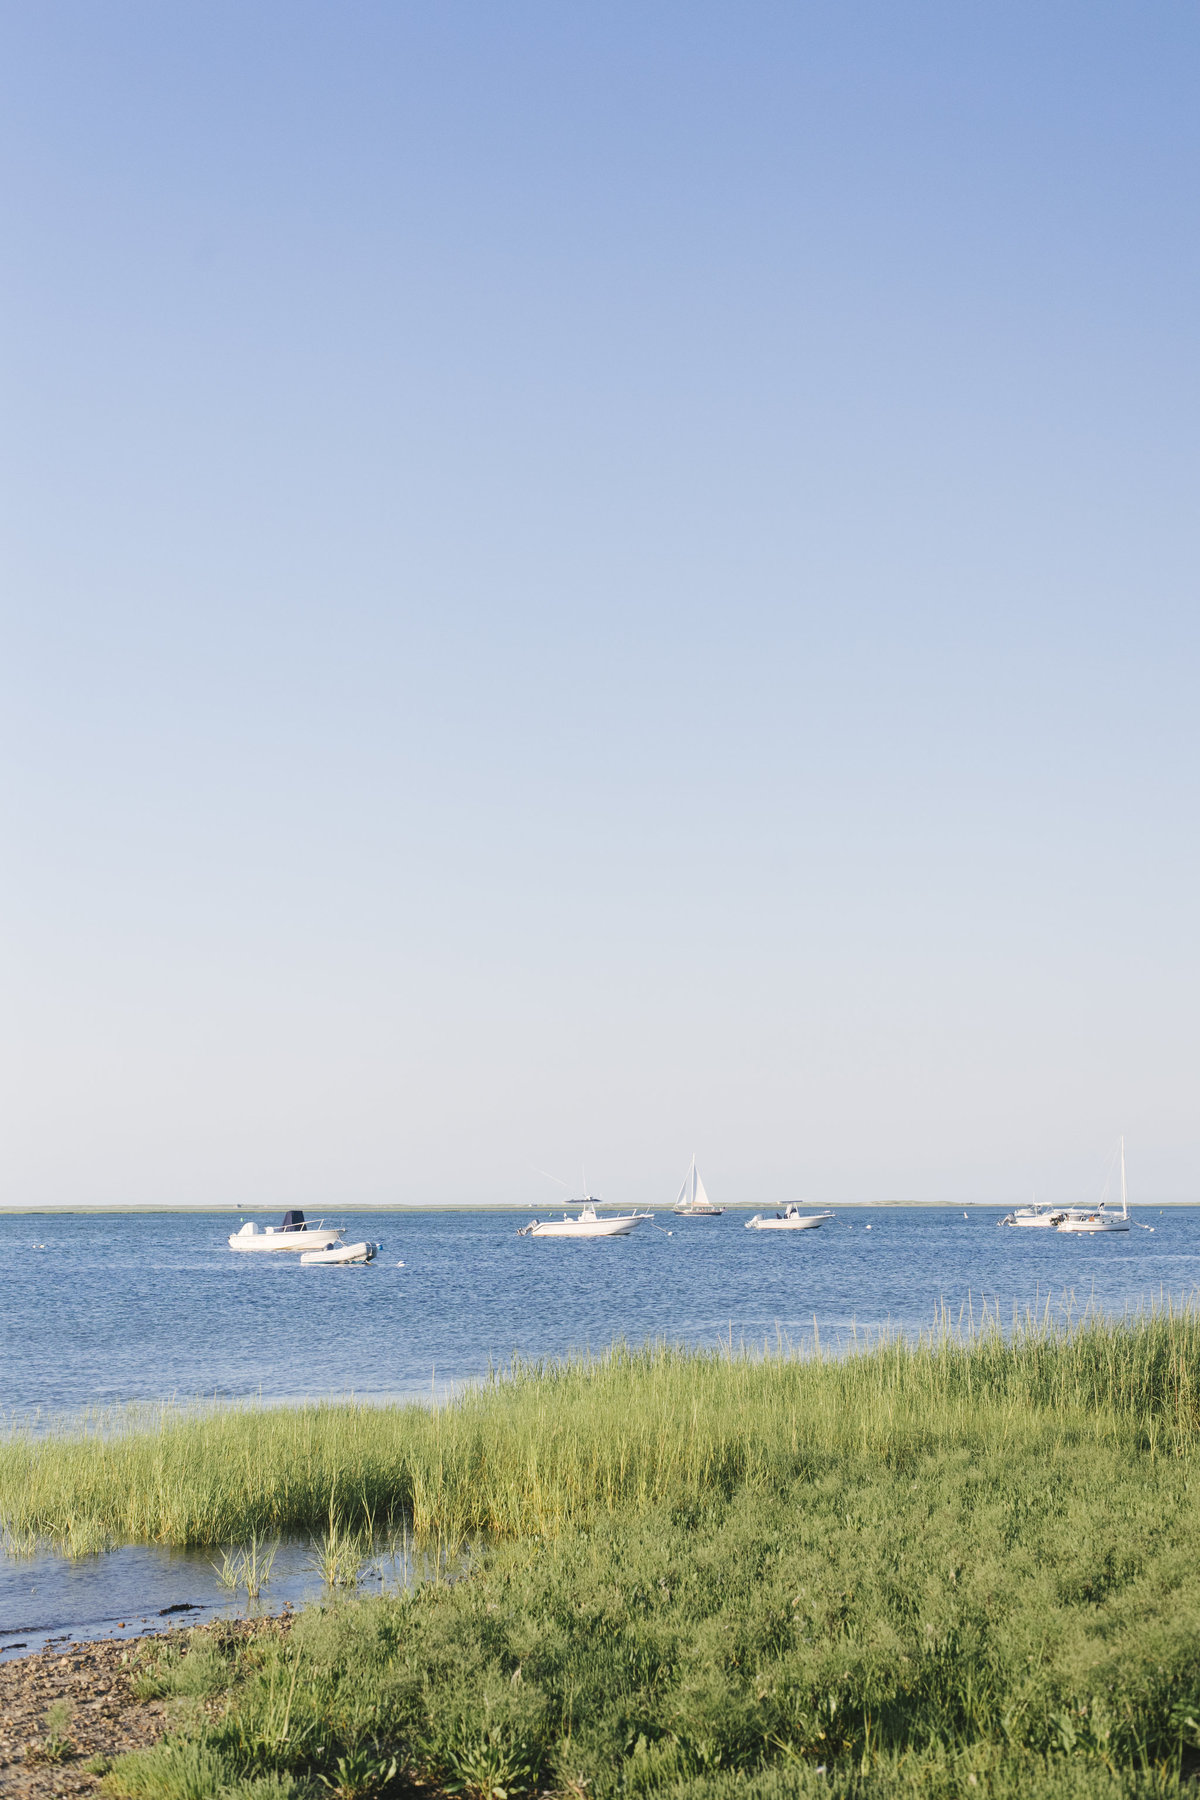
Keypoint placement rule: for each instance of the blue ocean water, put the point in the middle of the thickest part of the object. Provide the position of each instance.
(97, 1310)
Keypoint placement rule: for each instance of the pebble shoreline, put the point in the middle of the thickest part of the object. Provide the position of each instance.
(107, 1717)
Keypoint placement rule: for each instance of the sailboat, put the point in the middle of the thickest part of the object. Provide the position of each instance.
(1102, 1217)
(692, 1201)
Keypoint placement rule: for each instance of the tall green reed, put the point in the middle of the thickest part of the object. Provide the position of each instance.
(541, 1446)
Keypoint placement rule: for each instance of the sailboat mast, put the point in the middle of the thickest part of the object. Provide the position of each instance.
(1124, 1195)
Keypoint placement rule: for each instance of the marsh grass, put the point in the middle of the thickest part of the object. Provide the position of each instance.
(248, 1566)
(340, 1555)
(1011, 1620)
(86, 1535)
(540, 1448)
(18, 1541)
(934, 1570)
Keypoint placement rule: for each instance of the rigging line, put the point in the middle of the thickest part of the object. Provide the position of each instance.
(550, 1177)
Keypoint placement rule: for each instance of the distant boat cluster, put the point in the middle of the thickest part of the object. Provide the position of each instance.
(1088, 1219)
(692, 1202)
(322, 1244)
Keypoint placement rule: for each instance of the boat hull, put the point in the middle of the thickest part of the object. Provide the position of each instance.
(801, 1222)
(582, 1228)
(270, 1240)
(1092, 1227)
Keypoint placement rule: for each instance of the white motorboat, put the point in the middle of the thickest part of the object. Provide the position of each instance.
(1045, 1216)
(692, 1202)
(1104, 1217)
(790, 1219)
(587, 1223)
(343, 1253)
(294, 1234)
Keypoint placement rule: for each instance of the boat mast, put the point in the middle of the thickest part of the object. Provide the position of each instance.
(1124, 1195)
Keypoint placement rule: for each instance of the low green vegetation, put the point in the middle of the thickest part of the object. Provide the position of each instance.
(1015, 1620)
(538, 1449)
(929, 1570)
(56, 1745)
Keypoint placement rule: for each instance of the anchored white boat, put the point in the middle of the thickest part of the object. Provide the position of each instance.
(1045, 1216)
(692, 1201)
(1103, 1217)
(790, 1219)
(587, 1223)
(293, 1234)
(343, 1253)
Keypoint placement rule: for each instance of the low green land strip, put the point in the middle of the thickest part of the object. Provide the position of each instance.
(941, 1570)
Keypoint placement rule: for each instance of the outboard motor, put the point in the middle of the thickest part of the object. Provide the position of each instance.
(293, 1221)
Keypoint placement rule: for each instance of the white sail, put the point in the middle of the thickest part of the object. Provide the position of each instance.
(692, 1197)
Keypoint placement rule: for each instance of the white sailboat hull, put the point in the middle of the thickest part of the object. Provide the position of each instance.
(1094, 1223)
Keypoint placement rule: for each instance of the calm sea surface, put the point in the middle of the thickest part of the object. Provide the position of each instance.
(97, 1311)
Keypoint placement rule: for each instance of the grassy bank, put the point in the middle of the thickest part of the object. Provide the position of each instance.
(540, 1449)
(938, 1570)
(1015, 1618)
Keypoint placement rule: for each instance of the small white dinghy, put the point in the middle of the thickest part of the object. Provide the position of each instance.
(790, 1219)
(343, 1253)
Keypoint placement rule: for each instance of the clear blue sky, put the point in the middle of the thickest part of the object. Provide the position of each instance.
(587, 582)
